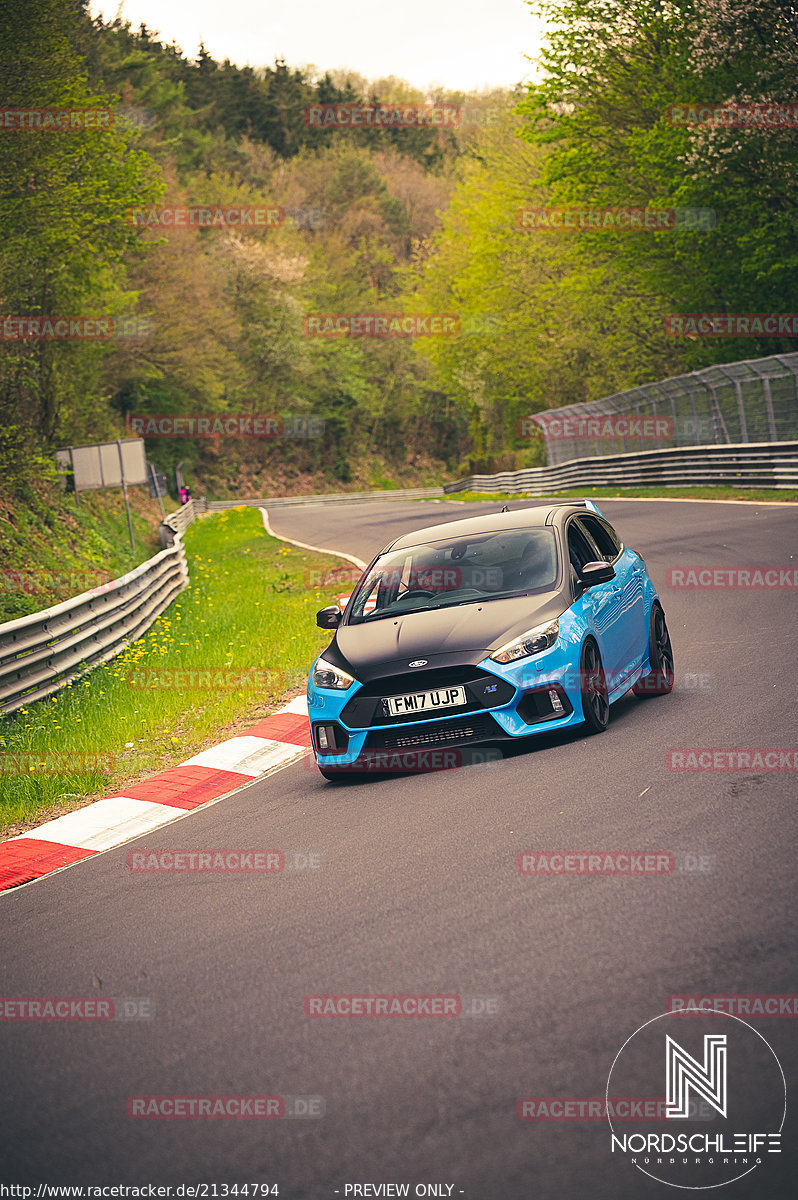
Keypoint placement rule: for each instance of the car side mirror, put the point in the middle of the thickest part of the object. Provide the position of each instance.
(596, 572)
(330, 618)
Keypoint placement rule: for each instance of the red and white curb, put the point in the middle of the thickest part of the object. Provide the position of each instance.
(274, 742)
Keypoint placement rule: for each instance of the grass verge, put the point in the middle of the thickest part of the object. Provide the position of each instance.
(223, 654)
(53, 548)
(720, 492)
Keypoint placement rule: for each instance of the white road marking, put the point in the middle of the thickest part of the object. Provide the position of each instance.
(246, 755)
(304, 545)
(104, 824)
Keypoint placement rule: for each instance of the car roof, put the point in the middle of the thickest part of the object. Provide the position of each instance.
(532, 516)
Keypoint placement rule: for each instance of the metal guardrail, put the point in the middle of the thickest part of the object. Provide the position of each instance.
(747, 465)
(332, 498)
(754, 401)
(45, 650)
(180, 520)
(41, 652)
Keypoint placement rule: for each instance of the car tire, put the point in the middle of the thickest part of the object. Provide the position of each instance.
(595, 700)
(659, 681)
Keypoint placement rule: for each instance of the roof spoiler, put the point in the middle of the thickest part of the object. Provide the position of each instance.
(589, 504)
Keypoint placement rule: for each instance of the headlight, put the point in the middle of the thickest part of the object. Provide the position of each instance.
(325, 675)
(537, 639)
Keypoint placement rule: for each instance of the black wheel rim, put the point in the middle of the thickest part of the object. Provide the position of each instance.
(595, 689)
(662, 645)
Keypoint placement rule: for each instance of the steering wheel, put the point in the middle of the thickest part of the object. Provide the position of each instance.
(467, 592)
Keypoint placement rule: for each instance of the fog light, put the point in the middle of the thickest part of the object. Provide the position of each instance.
(556, 702)
(330, 738)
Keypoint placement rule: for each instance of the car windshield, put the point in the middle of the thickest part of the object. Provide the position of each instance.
(441, 574)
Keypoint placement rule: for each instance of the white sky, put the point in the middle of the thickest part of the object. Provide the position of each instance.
(465, 44)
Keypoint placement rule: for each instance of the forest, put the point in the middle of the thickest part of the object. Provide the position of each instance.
(373, 270)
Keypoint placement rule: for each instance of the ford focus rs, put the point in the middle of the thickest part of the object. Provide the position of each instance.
(482, 630)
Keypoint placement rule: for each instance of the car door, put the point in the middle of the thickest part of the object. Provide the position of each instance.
(629, 577)
(600, 605)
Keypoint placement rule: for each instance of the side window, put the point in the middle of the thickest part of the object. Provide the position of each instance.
(579, 549)
(604, 536)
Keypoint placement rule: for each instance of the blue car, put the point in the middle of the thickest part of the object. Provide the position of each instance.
(477, 631)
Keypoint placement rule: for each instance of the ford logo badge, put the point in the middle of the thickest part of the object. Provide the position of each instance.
(418, 662)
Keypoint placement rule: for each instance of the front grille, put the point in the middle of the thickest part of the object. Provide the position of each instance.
(438, 733)
(365, 709)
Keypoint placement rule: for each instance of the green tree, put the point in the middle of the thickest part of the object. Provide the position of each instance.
(64, 198)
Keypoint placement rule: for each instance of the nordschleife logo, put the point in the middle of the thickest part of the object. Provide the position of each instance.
(683, 1074)
(723, 1094)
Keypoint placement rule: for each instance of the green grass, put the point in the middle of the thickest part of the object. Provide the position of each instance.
(250, 608)
(720, 492)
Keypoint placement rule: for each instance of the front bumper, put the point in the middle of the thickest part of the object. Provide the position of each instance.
(503, 702)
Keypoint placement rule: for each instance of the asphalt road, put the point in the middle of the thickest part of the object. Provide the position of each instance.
(419, 893)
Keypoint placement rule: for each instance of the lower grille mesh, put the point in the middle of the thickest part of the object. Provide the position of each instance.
(445, 733)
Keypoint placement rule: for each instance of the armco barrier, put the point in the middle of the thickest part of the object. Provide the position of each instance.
(180, 520)
(42, 652)
(771, 465)
(332, 498)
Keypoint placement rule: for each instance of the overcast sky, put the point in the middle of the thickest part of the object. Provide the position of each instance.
(466, 44)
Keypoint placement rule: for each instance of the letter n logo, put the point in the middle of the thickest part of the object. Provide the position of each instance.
(684, 1072)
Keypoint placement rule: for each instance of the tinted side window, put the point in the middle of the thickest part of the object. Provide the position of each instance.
(604, 536)
(579, 549)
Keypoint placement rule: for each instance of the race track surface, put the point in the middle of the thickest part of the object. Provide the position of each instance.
(418, 892)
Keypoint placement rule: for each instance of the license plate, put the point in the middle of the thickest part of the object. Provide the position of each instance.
(417, 702)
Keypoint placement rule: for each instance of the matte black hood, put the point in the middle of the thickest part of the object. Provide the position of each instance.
(463, 633)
